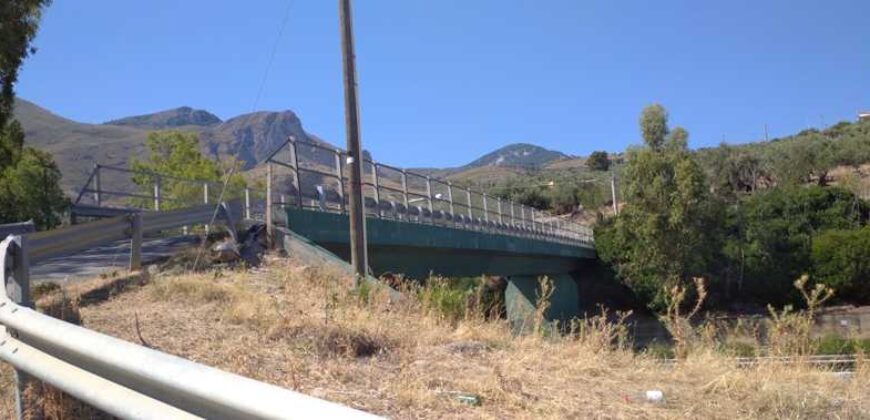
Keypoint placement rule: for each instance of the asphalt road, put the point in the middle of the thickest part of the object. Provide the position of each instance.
(104, 259)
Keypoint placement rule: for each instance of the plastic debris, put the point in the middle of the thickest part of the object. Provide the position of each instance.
(655, 396)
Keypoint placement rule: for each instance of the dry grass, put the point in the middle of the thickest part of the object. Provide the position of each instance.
(301, 327)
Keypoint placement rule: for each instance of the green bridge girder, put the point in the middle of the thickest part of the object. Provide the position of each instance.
(418, 250)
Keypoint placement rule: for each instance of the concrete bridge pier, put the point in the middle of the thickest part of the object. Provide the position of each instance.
(523, 293)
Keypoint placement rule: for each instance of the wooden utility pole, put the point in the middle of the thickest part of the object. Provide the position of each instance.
(358, 252)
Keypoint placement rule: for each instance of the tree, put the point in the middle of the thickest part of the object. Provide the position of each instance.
(666, 233)
(19, 21)
(598, 161)
(654, 126)
(29, 189)
(29, 179)
(176, 154)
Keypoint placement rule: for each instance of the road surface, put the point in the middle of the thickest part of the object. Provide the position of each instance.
(104, 259)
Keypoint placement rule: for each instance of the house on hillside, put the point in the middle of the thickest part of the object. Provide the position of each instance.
(864, 116)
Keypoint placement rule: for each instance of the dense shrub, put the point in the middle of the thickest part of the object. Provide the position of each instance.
(841, 260)
(771, 235)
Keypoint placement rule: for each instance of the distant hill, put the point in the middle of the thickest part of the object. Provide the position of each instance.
(78, 146)
(518, 155)
(173, 118)
(249, 138)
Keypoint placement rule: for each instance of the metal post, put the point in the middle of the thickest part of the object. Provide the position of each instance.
(485, 209)
(269, 228)
(468, 198)
(513, 220)
(247, 203)
(339, 169)
(523, 215)
(405, 194)
(205, 201)
(135, 241)
(18, 289)
(296, 180)
(377, 188)
(97, 186)
(358, 251)
(429, 192)
(157, 193)
(500, 216)
(613, 193)
(450, 196)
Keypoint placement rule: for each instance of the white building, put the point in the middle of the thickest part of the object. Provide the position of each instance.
(864, 116)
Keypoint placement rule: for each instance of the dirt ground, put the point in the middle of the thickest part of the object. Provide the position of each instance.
(301, 328)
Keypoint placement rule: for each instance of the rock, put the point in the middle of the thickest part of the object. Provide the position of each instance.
(224, 252)
(253, 244)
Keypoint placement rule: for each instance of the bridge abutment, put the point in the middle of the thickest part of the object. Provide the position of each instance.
(522, 295)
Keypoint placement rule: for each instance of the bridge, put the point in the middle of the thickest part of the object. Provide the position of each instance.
(417, 225)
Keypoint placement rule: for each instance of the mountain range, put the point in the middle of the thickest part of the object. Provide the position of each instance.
(77, 146)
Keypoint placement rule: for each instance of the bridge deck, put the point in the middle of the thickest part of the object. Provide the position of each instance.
(417, 250)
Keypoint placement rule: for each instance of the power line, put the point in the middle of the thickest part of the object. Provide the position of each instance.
(272, 55)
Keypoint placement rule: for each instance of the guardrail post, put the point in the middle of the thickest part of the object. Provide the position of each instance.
(17, 269)
(500, 215)
(135, 241)
(339, 169)
(97, 186)
(157, 193)
(269, 229)
(247, 203)
(513, 219)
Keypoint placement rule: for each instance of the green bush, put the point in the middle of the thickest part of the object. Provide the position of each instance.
(448, 300)
(841, 260)
(834, 344)
(772, 232)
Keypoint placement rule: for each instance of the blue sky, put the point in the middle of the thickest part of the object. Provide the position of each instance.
(442, 82)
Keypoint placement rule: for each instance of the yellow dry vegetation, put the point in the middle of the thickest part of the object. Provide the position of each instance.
(302, 327)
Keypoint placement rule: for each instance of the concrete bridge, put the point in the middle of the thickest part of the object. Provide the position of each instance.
(419, 226)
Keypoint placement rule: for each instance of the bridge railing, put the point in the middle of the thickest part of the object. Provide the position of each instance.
(315, 176)
(110, 187)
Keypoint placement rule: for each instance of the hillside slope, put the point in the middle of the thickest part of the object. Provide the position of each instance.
(76, 146)
(173, 118)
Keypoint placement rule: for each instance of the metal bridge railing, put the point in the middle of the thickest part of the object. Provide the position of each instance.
(110, 187)
(124, 379)
(313, 176)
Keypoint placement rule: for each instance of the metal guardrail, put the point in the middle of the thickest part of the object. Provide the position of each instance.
(124, 379)
(131, 224)
(318, 181)
(17, 228)
(833, 362)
